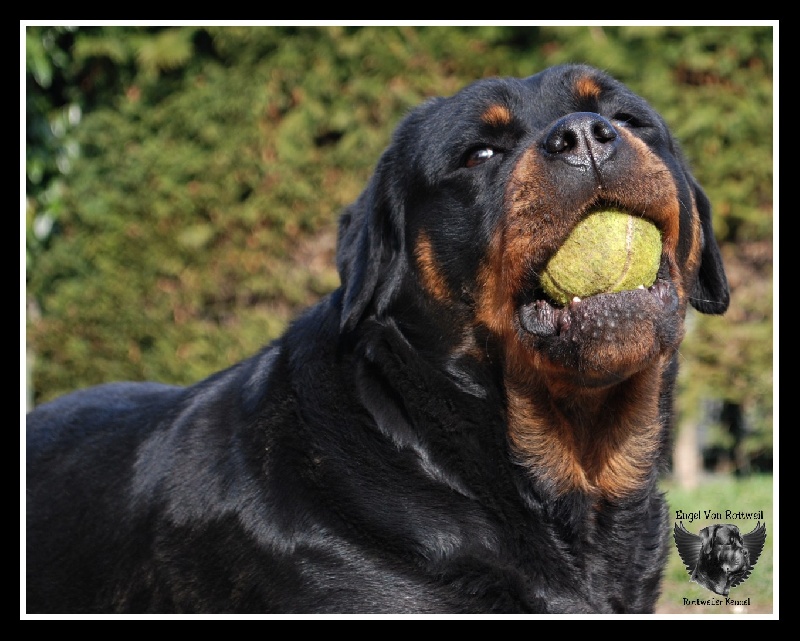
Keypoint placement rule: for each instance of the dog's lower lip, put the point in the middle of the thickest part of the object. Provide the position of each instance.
(542, 318)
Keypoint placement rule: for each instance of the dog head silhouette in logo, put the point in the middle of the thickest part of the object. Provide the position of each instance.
(720, 558)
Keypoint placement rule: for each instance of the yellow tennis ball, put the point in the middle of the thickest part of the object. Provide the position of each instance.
(608, 251)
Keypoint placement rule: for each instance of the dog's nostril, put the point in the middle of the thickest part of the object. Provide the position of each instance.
(603, 131)
(560, 141)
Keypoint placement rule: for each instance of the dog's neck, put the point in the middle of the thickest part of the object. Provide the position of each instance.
(603, 441)
(600, 441)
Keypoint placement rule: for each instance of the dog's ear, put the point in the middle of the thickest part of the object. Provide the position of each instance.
(369, 255)
(707, 534)
(710, 294)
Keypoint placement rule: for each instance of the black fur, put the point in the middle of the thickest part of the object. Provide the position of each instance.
(361, 463)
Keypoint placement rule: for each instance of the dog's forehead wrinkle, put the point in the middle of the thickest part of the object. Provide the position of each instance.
(444, 122)
(490, 91)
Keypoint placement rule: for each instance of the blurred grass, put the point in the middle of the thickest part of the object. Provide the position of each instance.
(718, 494)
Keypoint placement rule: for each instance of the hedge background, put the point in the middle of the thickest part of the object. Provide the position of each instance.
(183, 185)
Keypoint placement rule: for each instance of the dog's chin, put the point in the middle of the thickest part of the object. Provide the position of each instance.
(603, 339)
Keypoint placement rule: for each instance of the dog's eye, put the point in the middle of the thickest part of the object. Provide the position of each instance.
(627, 120)
(479, 156)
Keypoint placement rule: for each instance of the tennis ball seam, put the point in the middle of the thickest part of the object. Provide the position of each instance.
(628, 254)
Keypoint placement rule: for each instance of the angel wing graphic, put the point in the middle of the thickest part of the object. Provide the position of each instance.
(719, 558)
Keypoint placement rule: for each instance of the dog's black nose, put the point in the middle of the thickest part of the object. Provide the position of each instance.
(582, 139)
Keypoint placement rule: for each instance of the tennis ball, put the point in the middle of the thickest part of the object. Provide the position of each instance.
(608, 251)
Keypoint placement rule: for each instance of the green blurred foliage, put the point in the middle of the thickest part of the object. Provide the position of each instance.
(183, 183)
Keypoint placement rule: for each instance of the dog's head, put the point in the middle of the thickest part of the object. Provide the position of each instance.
(470, 201)
(478, 191)
(724, 559)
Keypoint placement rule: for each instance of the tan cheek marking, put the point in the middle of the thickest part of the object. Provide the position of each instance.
(497, 116)
(432, 279)
(587, 87)
(519, 243)
(659, 196)
(656, 190)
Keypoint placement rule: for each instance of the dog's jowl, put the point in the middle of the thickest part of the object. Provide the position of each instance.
(436, 435)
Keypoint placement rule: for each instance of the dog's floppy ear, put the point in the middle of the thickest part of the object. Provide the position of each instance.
(710, 293)
(370, 249)
(708, 534)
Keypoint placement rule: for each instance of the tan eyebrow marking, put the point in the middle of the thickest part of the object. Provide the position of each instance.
(586, 87)
(497, 115)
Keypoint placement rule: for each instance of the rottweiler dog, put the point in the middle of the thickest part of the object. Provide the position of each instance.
(436, 435)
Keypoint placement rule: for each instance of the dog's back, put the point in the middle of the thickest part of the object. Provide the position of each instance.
(81, 450)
